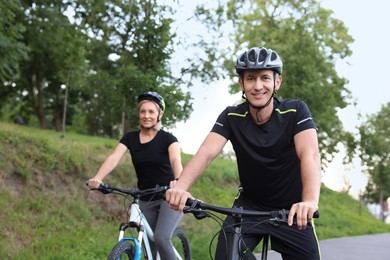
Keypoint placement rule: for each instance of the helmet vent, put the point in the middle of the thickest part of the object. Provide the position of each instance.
(273, 56)
(262, 55)
(252, 56)
(242, 58)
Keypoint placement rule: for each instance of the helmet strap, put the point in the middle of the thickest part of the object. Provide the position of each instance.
(258, 116)
(260, 107)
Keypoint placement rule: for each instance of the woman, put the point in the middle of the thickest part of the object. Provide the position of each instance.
(156, 158)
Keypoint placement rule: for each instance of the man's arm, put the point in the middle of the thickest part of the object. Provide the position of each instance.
(210, 148)
(306, 144)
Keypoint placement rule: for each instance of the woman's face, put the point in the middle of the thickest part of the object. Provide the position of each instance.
(148, 114)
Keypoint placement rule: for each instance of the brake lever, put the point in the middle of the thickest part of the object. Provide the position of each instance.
(282, 216)
(198, 213)
(103, 188)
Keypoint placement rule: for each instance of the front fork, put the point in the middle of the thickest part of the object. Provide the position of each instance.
(137, 242)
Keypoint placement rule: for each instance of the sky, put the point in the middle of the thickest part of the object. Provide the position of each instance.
(366, 70)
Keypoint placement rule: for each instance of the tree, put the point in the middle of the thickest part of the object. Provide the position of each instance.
(134, 44)
(108, 53)
(375, 154)
(309, 41)
(128, 46)
(71, 59)
(56, 47)
(12, 49)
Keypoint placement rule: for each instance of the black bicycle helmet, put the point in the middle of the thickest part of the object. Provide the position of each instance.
(259, 58)
(153, 96)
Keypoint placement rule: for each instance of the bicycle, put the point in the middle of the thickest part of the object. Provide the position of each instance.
(139, 245)
(202, 210)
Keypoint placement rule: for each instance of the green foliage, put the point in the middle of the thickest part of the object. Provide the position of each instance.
(54, 216)
(309, 42)
(108, 52)
(375, 153)
(138, 34)
(105, 54)
(346, 215)
(12, 49)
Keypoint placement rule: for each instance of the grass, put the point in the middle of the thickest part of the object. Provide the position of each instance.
(47, 212)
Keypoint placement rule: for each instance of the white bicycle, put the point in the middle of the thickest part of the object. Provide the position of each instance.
(137, 246)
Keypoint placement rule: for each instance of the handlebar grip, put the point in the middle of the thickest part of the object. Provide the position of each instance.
(192, 202)
(103, 185)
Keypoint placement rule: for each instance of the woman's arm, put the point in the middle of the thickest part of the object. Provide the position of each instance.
(108, 165)
(175, 159)
(210, 148)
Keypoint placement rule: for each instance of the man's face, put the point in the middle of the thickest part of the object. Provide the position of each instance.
(258, 85)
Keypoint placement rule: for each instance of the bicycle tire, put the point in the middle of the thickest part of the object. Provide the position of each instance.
(122, 250)
(181, 243)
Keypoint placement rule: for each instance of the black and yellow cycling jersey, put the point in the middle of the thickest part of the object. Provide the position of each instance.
(268, 165)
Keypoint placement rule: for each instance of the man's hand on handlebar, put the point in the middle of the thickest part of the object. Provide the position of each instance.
(304, 213)
(177, 198)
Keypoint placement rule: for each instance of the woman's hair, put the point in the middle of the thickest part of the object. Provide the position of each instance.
(158, 125)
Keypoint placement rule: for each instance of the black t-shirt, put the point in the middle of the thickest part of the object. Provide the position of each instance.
(269, 168)
(151, 159)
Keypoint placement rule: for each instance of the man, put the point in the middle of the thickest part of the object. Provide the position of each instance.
(278, 161)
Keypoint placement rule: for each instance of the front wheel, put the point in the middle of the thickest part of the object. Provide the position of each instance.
(122, 250)
(181, 244)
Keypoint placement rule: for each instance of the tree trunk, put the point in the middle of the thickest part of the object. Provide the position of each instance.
(125, 121)
(65, 105)
(39, 111)
(37, 100)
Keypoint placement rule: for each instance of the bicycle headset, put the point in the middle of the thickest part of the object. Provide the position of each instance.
(259, 58)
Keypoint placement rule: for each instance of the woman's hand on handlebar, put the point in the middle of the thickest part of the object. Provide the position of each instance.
(177, 198)
(94, 183)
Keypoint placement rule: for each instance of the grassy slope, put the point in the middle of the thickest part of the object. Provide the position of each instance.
(47, 213)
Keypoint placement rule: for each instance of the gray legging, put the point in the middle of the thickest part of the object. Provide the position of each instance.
(163, 220)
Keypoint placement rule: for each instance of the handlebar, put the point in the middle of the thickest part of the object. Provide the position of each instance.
(106, 189)
(197, 207)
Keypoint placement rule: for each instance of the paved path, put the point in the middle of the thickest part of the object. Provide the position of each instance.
(373, 247)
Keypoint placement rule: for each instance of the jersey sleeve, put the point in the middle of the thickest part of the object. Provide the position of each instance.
(170, 139)
(304, 119)
(221, 126)
(126, 140)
